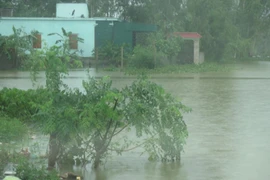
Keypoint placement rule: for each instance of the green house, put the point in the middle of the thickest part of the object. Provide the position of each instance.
(119, 32)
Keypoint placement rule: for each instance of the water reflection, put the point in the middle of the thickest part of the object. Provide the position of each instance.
(147, 171)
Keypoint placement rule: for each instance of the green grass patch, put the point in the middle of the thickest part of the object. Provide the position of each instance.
(111, 69)
(188, 68)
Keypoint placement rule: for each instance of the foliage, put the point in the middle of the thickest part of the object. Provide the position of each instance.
(177, 69)
(11, 129)
(142, 57)
(8, 158)
(58, 57)
(26, 170)
(21, 104)
(54, 112)
(15, 46)
(63, 43)
(93, 118)
(61, 116)
(55, 60)
(4, 159)
(153, 111)
(214, 20)
(238, 48)
(19, 41)
(144, 106)
(111, 52)
(169, 45)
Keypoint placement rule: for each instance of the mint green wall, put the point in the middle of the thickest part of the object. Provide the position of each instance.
(84, 27)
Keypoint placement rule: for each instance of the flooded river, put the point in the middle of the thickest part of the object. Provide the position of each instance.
(229, 127)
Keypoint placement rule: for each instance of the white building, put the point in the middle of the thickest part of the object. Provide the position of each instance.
(72, 17)
(81, 27)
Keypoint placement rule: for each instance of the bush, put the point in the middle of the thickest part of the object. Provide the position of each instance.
(112, 53)
(142, 57)
(4, 159)
(21, 104)
(13, 48)
(28, 171)
(11, 129)
(25, 170)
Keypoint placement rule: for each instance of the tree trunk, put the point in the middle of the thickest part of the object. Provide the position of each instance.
(53, 151)
(97, 161)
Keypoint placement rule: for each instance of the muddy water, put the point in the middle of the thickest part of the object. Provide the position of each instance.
(229, 127)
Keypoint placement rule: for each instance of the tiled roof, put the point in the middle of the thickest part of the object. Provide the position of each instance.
(188, 35)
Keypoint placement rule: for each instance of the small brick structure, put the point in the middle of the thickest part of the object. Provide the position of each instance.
(196, 39)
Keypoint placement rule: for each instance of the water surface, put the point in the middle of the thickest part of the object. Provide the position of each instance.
(229, 136)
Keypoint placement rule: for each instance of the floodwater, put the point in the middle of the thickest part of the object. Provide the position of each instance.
(229, 127)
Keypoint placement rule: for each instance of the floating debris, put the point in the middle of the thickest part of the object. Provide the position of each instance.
(70, 176)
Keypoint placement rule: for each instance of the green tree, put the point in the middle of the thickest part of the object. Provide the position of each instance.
(5, 3)
(144, 106)
(252, 19)
(212, 19)
(55, 61)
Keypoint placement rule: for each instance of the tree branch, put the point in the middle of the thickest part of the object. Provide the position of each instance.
(111, 120)
(125, 150)
(103, 149)
(120, 130)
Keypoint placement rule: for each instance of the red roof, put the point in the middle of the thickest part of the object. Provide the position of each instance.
(188, 35)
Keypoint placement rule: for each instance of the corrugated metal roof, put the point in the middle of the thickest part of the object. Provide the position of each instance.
(188, 35)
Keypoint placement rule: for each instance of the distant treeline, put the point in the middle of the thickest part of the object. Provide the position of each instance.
(230, 28)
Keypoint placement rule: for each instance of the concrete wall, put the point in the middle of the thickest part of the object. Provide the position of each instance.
(201, 57)
(84, 27)
(196, 51)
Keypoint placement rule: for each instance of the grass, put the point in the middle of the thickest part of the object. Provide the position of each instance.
(177, 69)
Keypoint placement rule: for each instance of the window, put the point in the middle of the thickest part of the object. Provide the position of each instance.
(73, 41)
(37, 41)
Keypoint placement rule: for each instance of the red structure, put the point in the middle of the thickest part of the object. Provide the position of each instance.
(188, 35)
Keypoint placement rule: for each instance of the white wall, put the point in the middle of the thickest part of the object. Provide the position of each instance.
(85, 28)
(66, 10)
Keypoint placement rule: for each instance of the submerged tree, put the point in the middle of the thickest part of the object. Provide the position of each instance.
(144, 107)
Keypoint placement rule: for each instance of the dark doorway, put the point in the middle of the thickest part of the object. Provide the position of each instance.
(186, 55)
